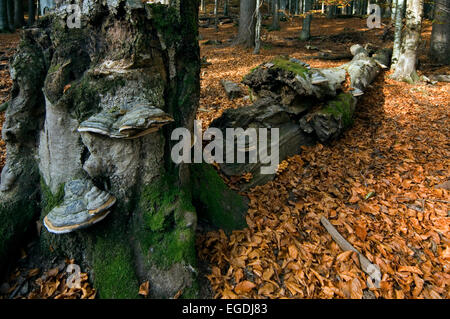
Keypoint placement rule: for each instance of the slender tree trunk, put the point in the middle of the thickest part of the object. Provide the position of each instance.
(331, 11)
(246, 32)
(10, 13)
(4, 26)
(440, 35)
(18, 14)
(405, 69)
(275, 17)
(393, 10)
(258, 27)
(399, 7)
(225, 8)
(216, 20)
(31, 12)
(203, 5)
(306, 26)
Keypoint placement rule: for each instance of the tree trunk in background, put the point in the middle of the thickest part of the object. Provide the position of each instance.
(440, 35)
(216, 18)
(203, 5)
(331, 12)
(18, 14)
(4, 26)
(246, 32)
(405, 69)
(306, 26)
(258, 27)
(69, 86)
(31, 12)
(275, 17)
(399, 8)
(225, 8)
(393, 10)
(10, 13)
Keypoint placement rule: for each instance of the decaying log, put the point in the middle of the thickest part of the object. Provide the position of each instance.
(306, 104)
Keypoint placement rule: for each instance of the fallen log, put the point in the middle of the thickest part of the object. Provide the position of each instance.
(306, 105)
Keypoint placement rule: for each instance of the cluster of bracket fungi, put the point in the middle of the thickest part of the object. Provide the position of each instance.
(84, 204)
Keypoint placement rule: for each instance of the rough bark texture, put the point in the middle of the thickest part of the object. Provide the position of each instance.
(306, 26)
(399, 8)
(125, 54)
(10, 13)
(307, 105)
(246, 32)
(275, 15)
(440, 35)
(18, 13)
(405, 69)
(31, 12)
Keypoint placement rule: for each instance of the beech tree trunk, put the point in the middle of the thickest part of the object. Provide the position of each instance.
(275, 15)
(18, 14)
(85, 124)
(246, 32)
(10, 13)
(306, 26)
(440, 35)
(258, 27)
(31, 12)
(405, 69)
(4, 26)
(399, 8)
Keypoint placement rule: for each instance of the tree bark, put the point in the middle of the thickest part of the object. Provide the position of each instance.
(4, 25)
(405, 69)
(71, 90)
(246, 32)
(275, 15)
(18, 14)
(258, 27)
(31, 12)
(399, 8)
(10, 13)
(440, 35)
(225, 8)
(306, 26)
(203, 5)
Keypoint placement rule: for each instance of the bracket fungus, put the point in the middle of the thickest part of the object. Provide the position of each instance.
(83, 205)
(127, 122)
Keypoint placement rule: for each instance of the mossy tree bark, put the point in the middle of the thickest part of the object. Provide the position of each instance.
(126, 54)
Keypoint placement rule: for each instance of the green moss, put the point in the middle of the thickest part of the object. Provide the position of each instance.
(84, 99)
(114, 275)
(164, 235)
(215, 201)
(166, 20)
(285, 64)
(342, 107)
(50, 200)
(191, 292)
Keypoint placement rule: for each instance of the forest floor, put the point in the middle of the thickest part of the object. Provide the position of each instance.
(384, 184)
